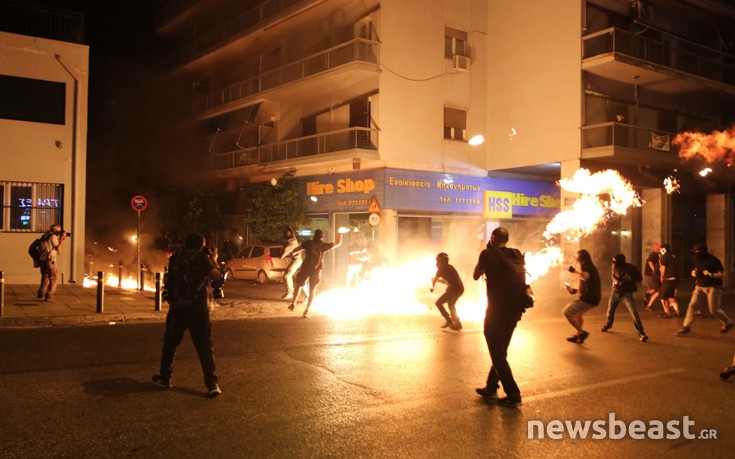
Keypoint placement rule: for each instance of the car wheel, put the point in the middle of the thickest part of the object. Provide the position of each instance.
(229, 274)
(262, 277)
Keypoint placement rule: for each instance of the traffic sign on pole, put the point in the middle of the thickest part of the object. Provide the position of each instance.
(139, 203)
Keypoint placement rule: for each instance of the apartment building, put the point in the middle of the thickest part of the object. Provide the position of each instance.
(43, 130)
(369, 104)
(608, 84)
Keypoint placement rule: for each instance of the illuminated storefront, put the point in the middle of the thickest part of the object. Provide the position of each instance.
(425, 212)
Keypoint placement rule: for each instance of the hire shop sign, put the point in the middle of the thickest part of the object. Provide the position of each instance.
(351, 192)
(505, 199)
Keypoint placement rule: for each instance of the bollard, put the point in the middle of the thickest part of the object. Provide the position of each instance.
(142, 280)
(2, 293)
(159, 292)
(119, 274)
(100, 291)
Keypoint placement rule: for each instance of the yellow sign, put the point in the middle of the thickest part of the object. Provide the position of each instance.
(374, 208)
(498, 204)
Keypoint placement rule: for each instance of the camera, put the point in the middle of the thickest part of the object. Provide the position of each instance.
(68, 234)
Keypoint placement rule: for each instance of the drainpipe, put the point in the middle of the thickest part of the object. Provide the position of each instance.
(74, 161)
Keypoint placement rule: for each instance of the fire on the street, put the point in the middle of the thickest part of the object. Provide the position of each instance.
(113, 281)
(395, 290)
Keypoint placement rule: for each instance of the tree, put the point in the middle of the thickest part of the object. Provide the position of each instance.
(272, 206)
(193, 211)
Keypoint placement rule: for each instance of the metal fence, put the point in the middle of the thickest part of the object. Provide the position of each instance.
(346, 139)
(672, 52)
(625, 135)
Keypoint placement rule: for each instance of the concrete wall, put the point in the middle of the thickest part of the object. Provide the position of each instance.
(411, 112)
(534, 82)
(44, 153)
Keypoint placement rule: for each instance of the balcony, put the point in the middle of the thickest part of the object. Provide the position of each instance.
(669, 66)
(627, 144)
(247, 22)
(356, 51)
(318, 146)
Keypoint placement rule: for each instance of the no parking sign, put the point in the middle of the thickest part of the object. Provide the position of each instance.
(139, 203)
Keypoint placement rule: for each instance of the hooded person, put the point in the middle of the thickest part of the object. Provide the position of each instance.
(625, 277)
(708, 273)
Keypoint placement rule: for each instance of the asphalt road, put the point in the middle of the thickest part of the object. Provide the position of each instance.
(381, 386)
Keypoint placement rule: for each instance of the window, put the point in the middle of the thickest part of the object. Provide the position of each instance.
(258, 251)
(455, 123)
(455, 43)
(32, 207)
(26, 99)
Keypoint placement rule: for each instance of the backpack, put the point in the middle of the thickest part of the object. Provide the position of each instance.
(180, 287)
(38, 250)
(517, 276)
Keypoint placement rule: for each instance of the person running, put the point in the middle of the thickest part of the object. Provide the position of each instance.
(708, 272)
(589, 295)
(625, 276)
(669, 272)
(447, 274)
(311, 268)
(505, 305)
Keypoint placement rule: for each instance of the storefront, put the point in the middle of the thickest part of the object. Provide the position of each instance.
(414, 213)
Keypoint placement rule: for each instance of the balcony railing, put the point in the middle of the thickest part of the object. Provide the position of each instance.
(626, 135)
(331, 142)
(231, 30)
(352, 51)
(686, 56)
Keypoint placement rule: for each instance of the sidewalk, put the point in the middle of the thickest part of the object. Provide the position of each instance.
(75, 305)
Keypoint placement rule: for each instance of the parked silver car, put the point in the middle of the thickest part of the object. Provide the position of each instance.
(259, 262)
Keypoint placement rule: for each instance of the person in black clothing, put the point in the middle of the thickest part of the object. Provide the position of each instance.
(311, 268)
(447, 274)
(505, 304)
(669, 275)
(589, 295)
(624, 279)
(709, 272)
(192, 314)
(652, 274)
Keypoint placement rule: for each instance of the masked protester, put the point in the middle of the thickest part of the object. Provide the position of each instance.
(589, 295)
(447, 274)
(708, 272)
(625, 276)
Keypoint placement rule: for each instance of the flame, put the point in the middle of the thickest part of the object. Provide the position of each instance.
(113, 281)
(603, 194)
(539, 263)
(705, 172)
(671, 184)
(403, 289)
(716, 147)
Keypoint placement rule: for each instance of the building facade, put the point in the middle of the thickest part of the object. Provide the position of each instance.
(330, 90)
(43, 130)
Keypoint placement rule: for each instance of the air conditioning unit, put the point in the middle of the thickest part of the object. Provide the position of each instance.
(460, 63)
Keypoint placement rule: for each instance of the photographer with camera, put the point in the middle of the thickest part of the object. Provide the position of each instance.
(191, 270)
(50, 248)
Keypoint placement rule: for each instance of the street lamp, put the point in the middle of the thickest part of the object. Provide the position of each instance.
(477, 140)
